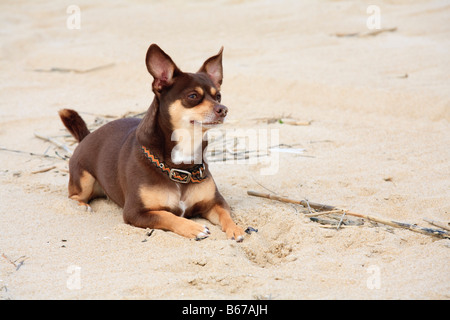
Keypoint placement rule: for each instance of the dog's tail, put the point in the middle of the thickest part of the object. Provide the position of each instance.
(74, 123)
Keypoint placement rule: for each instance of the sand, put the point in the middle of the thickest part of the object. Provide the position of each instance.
(378, 143)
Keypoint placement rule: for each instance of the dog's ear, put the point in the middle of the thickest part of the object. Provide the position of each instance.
(213, 68)
(161, 67)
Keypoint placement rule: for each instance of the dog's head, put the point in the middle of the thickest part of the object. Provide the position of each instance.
(186, 105)
(187, 99)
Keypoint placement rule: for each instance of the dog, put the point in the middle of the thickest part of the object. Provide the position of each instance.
(151, 167)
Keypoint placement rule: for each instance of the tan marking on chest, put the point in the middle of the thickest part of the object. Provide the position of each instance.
(154, 197)
(198, 192)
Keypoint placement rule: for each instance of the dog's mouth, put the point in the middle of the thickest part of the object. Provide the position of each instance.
(206, 123)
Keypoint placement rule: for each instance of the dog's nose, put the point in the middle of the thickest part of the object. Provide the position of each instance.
(220, 110)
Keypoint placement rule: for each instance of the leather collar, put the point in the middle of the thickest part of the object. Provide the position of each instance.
(194, 175)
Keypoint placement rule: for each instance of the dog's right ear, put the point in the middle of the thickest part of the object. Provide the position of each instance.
(161, 67)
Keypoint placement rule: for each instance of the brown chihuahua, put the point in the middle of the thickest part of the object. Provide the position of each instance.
(154, 168)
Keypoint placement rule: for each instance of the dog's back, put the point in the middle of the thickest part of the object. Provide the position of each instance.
(98, 151)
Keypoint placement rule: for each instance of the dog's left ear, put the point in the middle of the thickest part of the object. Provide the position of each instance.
(213, 68)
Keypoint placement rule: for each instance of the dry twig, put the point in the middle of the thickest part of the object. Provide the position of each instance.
(43, 170)
(56, 143)
(439, 224)
(367, 34)
(66, 70)
(29, 153)
(20, 261)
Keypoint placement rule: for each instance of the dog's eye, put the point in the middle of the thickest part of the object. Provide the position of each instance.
(193, 96)
(218, 97)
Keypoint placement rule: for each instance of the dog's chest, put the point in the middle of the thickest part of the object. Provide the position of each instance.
(177, 198)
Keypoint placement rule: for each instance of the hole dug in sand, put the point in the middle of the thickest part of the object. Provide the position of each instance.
(264, 250)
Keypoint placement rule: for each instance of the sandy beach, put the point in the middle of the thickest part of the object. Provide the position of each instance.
(374, 138)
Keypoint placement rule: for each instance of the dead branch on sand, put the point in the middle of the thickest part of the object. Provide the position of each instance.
(324, 207)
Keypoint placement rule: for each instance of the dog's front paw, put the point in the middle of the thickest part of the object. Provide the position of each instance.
(203, 234)
(193, 230)
(234, 232)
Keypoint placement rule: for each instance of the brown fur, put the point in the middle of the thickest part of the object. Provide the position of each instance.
(109, 161)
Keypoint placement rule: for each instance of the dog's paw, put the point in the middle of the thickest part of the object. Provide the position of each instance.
(192, 230)
(83, 206)
(204, 234)
(235, 232)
